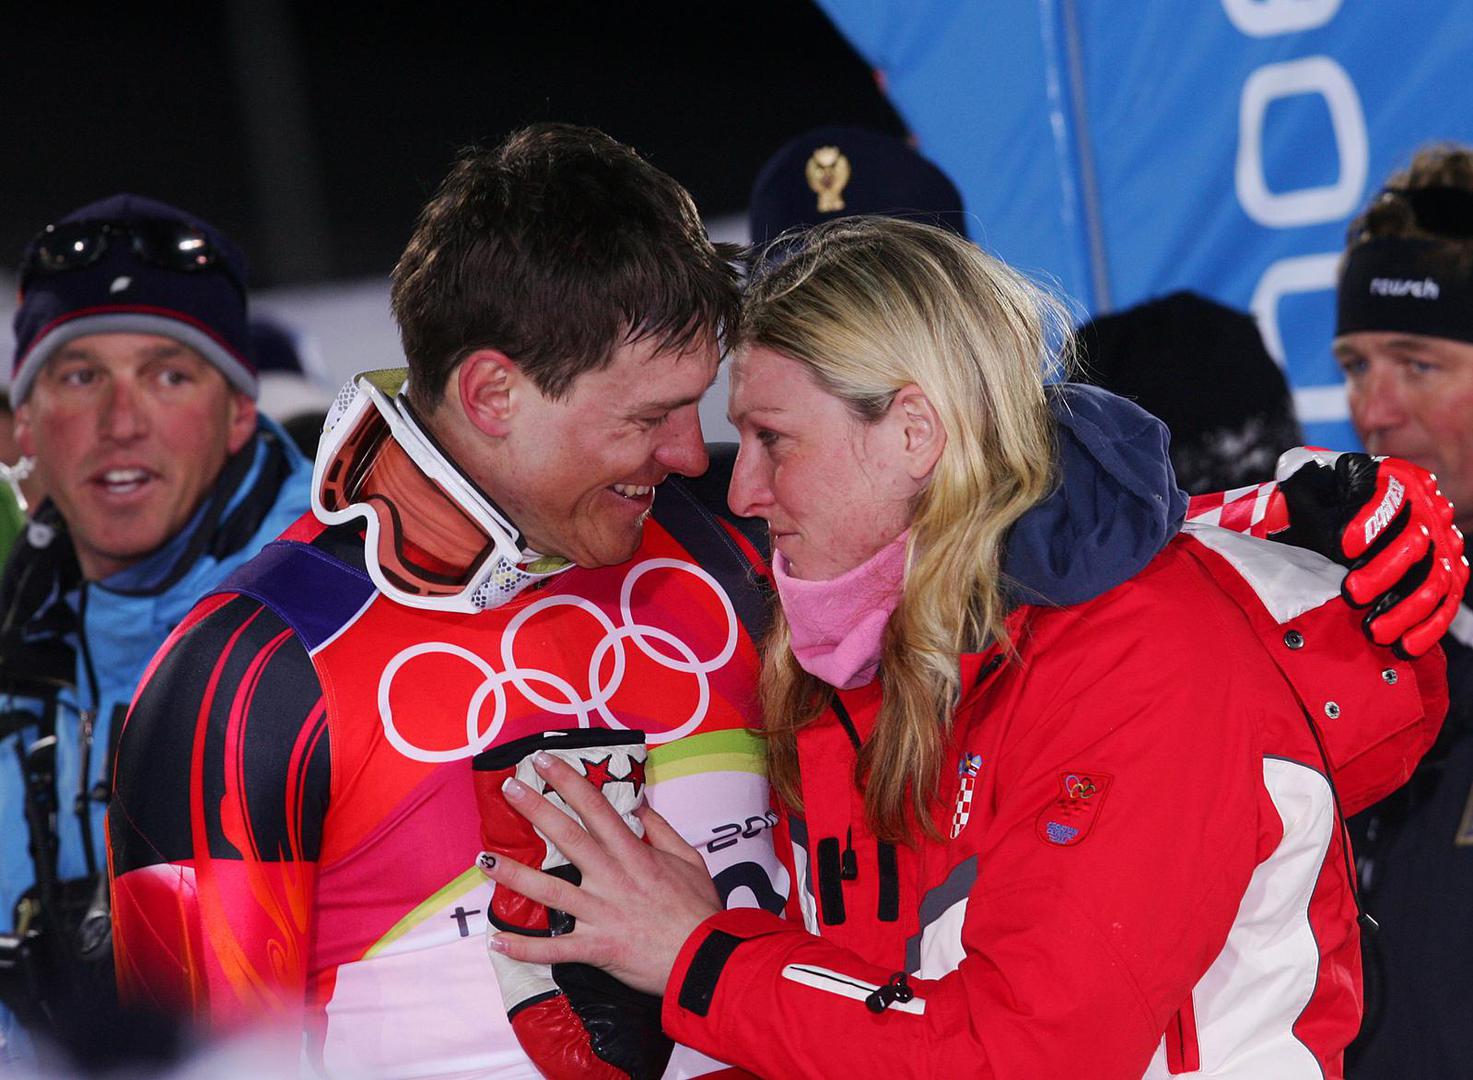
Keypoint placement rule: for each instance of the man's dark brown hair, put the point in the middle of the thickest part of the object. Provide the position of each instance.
(555, 247)
(1440, 174)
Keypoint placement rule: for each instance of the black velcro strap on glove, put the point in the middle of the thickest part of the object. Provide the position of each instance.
(1386, 520)
(574, 1021)
(1324, 499)
(623, 1024)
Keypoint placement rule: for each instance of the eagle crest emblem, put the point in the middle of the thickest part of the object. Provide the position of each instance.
(827, 173)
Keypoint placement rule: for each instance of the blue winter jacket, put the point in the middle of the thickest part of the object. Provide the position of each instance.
(109, 630)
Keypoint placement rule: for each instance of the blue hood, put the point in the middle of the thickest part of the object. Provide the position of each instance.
(1115, 507)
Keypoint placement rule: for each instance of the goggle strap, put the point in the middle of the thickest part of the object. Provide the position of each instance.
(507, 570)
(406, 410)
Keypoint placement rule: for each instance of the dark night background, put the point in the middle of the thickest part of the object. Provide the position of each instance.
(312, 132)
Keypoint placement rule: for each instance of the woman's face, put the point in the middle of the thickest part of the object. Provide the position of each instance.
(833, 490)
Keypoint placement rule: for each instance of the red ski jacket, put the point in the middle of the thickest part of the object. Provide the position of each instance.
(1143, 868)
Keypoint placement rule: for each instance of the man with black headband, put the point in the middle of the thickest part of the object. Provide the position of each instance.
(1404, 338)
(134, 389)
(1404, 332)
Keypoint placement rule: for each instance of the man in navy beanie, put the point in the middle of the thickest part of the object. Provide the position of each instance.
(134, 394)
(833, 172)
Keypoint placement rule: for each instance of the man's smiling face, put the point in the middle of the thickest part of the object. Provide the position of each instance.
(579, 473)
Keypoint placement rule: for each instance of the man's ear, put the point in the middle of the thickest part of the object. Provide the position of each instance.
(490, 384)
(924, 435)
(242, 420)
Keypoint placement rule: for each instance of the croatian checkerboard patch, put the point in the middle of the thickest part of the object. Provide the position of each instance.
(1255, 509)
(966, 770)
(1066, 821)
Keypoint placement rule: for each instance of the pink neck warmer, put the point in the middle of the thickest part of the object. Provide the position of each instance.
(838, 625)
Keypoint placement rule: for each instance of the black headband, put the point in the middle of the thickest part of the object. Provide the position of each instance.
(1438, 209)
(1406, 285)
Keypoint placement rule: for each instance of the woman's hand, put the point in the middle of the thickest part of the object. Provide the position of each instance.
(639, 899)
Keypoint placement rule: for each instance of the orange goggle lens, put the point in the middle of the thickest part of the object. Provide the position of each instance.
(427, 545)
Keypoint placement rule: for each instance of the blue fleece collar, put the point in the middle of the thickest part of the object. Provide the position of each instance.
(1114, 509)
(153, 573)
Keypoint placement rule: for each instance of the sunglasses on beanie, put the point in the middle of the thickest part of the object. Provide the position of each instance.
(75, 245)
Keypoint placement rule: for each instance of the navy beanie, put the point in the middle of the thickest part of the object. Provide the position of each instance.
(275, 348)
(833, 172)
(1202, 368)
(122, 293)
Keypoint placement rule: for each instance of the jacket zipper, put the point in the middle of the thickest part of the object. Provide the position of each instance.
(895, 994)
(888, 907)
(82, 805)
(1182, 1053)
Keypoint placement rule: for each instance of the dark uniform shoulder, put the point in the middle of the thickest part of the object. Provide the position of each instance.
(315, 587)
(731, 549)
(709, 491)
(228, 727)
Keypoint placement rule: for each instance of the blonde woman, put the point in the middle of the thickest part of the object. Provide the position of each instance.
(1055, 777)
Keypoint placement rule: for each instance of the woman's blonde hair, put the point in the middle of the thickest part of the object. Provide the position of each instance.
(870, 305)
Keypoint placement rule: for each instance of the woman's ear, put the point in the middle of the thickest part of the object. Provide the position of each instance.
(925, 437)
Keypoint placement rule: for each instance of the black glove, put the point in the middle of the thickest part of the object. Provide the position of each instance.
(1386, 520)
(573, 1020)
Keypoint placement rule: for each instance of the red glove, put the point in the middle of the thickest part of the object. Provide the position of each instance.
(573, 1020)
(1387, 521)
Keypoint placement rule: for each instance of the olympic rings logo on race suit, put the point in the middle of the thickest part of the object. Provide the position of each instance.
(494, 683)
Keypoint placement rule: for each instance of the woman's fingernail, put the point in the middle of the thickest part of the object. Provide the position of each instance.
(486, 860)
(496, 943)
(542, 759)
(513, 788)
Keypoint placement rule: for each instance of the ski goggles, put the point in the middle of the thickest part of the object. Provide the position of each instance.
(371, 432)
(76, 245)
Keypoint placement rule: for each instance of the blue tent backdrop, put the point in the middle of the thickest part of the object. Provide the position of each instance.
(1128, 150)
